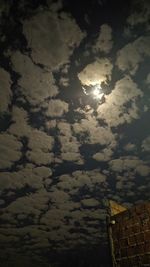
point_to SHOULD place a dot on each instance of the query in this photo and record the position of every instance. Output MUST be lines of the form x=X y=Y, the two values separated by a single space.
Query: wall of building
x=131 y=236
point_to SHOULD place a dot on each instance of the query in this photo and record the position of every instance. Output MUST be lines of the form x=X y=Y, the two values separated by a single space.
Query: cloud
x=143 y=170
x=129 y=147
x=30 y=176
x=96 y=72
x=139 y=15
x=78 y=179
x=104 y=41
x=46 y=206
x=146 y=144
x=148 y=80
x=105 y=155
x=69 y=144
x=90 y=202
x=132 y=54
x=36 y=84
x=50 y=124
x=39 y=157
x=19 y=126
x=10 y=150
x=124 y=183
x=94 y=134
x=6 y=93
x=57 y=35
x=31 y=205
x=114 y=111
x=56 y=108
x=40 y=147
x=129 y=163
x=40 y=140
x=64 y=128
x=56 y=211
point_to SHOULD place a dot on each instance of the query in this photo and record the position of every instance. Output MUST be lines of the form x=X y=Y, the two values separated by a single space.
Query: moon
x=97 y=92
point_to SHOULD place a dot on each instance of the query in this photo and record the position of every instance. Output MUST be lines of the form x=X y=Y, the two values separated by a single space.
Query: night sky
x=74 y=126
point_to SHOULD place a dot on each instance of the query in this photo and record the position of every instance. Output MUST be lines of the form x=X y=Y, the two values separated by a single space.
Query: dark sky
x=74 y=126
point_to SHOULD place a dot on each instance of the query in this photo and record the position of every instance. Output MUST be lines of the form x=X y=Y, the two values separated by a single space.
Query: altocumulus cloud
x=62 y=153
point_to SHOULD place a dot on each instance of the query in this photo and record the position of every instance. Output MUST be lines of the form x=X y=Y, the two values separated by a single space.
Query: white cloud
x=52 y=37
x=19 y=126
x=36 y=84
x=114 y=110
x=129 y=147
x=64 y=128
x=40 y=146
x=53 y=208
x=148 y=80
x=29 y=176
x=146 y=144
x=94 y=134
x=104 y=41
x=129 y=163
x=69 y=144
x=105 y=155
x=58 y=196
x=143 y=170
x=56 y=108
x=39 y=157
x=124 y=183
x=90 y=202
x=80 y=179
x=132 y=54
x=40 y=140
x=32 y=204
x=5 y=88
x=65 y=211
x=50 y=124
x=96 y=72
x=72 y=156
x=10 y=150
x=64 y=81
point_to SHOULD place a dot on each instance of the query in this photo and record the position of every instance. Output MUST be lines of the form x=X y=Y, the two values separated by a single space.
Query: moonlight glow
x=96 y=92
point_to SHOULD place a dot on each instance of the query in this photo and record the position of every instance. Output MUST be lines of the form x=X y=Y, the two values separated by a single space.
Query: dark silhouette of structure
x=129 y=235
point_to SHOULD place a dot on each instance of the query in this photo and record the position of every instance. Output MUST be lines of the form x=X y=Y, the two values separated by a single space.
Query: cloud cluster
x=52 y=50
x=130 y=163
x=132 y=54
x=95 y=134
x=9 y=150
x=140 y=15
x=56 y=108
x=146 y=144
x=40 y=147
x=58 y=168
x=55 y=210
x=31 y=176
x=115 y=110
x=97 y=72
x=104 y=41
x=19 y=126
x=104 y=155
x=36 y=84
x=69 y=144
x=6 y=93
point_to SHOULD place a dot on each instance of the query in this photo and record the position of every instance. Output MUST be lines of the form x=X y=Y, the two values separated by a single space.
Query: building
x=129 y=235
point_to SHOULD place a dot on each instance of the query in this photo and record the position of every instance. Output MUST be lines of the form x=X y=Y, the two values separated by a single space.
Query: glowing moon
x=97 y=92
